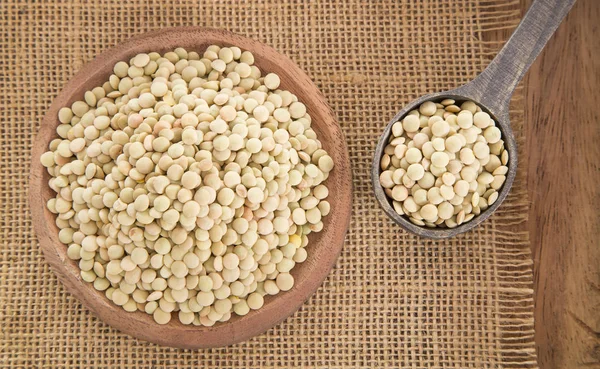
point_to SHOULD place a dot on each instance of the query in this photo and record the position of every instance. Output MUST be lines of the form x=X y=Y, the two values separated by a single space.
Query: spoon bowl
x=386 y=204
x=491 y=91
x=323 y=248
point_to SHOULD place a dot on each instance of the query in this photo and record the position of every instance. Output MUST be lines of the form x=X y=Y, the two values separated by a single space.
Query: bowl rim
x=503 y=123
x=320 y=260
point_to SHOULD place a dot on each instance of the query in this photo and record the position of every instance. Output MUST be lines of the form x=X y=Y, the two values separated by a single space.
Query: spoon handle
x=495 y=85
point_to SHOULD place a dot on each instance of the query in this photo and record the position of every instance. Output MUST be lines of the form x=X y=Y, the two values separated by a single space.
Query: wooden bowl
x=323 y=248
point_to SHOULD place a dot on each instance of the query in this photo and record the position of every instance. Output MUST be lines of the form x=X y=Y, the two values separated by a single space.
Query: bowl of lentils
x=191 y=187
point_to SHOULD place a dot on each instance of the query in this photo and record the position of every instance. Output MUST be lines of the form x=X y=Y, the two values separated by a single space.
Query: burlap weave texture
x=393 y=300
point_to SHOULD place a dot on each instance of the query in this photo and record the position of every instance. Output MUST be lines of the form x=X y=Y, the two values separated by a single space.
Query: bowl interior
x=438 y=233
x=323 y=248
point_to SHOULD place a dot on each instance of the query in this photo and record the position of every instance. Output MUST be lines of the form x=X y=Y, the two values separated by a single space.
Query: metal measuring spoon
x=491 y=90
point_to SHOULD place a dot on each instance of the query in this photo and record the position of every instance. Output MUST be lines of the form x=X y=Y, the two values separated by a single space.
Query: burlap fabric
x=393 y=300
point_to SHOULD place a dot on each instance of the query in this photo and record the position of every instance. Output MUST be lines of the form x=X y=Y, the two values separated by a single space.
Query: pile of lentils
x=188 y=184
x=444 y=164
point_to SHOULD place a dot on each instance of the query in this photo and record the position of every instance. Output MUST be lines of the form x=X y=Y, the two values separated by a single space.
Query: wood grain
x=323 y=248
x=563 y=135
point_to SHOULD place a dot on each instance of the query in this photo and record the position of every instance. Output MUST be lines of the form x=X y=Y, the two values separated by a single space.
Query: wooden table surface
x=563 y=136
